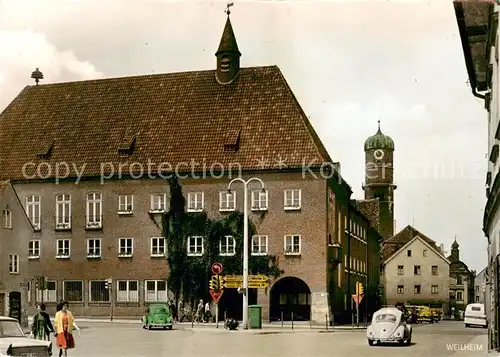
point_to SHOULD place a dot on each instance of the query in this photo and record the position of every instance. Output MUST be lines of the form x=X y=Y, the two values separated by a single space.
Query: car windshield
x=386 y=318
x=159 y=310
x=10 y=329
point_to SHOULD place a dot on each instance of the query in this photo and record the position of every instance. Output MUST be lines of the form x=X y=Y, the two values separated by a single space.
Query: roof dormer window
x=224 y=64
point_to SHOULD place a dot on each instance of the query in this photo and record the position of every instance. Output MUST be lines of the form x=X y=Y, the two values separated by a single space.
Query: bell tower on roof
x=379 y=178
x=228 y=55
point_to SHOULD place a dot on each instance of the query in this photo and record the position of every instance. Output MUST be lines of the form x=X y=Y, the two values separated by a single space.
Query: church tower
x=379 y=178
x=228 y=55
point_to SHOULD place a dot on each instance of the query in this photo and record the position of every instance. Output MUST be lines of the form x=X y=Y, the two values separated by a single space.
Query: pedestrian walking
x=200 y=312
x=64 y=324
x=42 y=326
x=208 y=313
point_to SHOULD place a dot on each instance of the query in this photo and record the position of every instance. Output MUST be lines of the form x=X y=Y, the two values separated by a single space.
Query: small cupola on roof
x=228 y=55
x=379 y=141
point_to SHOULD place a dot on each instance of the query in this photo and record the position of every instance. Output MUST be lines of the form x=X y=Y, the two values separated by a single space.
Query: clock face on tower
x=378 y=154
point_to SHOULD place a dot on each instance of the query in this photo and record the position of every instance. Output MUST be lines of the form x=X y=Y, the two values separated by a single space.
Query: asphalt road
x=123 y=340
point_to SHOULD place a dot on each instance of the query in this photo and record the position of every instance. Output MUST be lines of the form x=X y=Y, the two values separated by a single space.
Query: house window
x=158 y=247
x=195 y=201
x=401 y=289
x=292 y=244
x=292 y=199
x=98 y=291
x=34 y=249
x=49 y=294
x=33 y=210
x=156 y=290
x=227 y=201
x=73 y=291
x=158 y=202
x=63 y=248
x=259 y=200
x=94 y=248
x=7 y=218
x=195 y=246
x=125 y=247
x=452 y=295
x=63 y=211
x=127 y=291
x=417 y=289
x=14 y=263
x=401 y=270
x=460 y=295
x=227 y=245
x=94 y=210
x=434 y=270
x=259 y=245
x=416 y=270
x=424 y=253
x=459 y=280
x=408 y=253
x=125 y=204
x=434 y=289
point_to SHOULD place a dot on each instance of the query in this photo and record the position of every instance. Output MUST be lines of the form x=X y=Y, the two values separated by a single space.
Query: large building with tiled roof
x=90 y=174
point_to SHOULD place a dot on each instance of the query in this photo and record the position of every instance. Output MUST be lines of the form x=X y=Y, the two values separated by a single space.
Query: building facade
x=102 y=217
x=480 y=287
x=414 y=270
x=461 y=283
x=478 y=26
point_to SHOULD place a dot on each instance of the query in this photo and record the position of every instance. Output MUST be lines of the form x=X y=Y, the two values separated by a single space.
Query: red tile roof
x=370 y=209
x=396 y=242
x=173 y=118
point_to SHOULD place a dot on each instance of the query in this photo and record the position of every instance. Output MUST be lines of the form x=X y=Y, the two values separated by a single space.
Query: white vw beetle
x=389 y=325
x=13 y=341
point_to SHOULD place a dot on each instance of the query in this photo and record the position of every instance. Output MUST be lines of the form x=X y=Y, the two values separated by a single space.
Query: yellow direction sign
x=258 y=278
x=257 y=285
x=233 y=281
x=254 y=281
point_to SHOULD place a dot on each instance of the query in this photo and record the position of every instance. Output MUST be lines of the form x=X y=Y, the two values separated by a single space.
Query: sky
x=349 y=63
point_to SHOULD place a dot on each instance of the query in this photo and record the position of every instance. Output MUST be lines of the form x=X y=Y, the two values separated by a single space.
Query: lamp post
x=245 y=240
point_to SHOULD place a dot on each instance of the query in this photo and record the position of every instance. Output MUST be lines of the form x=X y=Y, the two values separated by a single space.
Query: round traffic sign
x=217 y=268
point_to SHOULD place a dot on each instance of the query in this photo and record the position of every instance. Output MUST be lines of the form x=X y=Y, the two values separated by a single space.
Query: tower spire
x=228 y=55
x=379 y=131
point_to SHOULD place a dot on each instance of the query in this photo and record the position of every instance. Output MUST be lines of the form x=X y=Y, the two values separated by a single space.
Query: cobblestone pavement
x=124 y=340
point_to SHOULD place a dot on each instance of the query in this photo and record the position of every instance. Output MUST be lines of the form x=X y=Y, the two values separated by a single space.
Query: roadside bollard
x=326 y=321
x=281 y=319
x=292 y=320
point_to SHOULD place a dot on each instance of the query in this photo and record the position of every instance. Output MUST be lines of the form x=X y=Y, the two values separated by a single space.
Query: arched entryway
x=290 y=299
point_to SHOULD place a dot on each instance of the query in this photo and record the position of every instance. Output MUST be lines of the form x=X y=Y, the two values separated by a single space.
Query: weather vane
x=227 y=11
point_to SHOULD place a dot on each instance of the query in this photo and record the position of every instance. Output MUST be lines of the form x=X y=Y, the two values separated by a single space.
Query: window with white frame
x=292 y=199
x=156 y=290
x=125 y=247
x=63 y=249
x=195 y=246
x=227 y=245
x=49 y=294
x=125 y=204
x=195 y=201
x=63 y=211
x=98 y=291
x=34 y=249
x=127 y=291
x=7 y=218
x=227 y=201
x=259 y=245
x=94 y=210
x=434 y=289
x=158 y=247
x=73 y=291
x=292 y=244
x=14 y=263
x=259 y=200
x=158 y=202
x=33 y=210
x=94 y=248
x=460 y=295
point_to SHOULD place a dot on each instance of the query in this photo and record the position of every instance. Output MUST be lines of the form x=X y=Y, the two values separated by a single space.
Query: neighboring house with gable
x=415 y=271
x=461 y=281
x=480 y=286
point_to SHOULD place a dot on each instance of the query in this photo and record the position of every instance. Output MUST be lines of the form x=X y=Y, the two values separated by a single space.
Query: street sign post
x=216 y=289
x=357 y=299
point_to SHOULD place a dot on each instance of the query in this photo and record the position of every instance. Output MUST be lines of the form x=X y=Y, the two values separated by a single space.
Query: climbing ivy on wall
x=189 y=276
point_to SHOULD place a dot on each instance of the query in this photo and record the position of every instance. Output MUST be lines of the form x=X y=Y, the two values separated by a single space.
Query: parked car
x=13 y=341
x=158 y=316
x=389 y=325
x=475 y=315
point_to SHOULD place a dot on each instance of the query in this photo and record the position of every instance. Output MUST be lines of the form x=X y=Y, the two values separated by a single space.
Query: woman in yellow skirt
x=64 y=325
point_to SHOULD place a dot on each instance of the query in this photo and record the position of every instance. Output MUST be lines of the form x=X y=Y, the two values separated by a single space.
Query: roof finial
x=378 y=121
x=37 y=75
x=227 y=11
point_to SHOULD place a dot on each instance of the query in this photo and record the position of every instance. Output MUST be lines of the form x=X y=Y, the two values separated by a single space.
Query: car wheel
x=467 y=325
x=150 y=327
x=402 y=342
x=164 y=327
x=408 y=341
x=170 y=327
x=370 y=342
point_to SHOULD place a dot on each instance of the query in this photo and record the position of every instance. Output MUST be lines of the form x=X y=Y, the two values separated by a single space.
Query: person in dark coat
x=42 y=326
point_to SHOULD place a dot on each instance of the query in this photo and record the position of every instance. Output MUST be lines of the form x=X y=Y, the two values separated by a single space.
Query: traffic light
x=214 y=283
x=359 y=288
x=45 y=283
x=109 y=282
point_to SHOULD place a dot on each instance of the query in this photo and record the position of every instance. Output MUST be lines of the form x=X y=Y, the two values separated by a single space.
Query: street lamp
x=245 y=241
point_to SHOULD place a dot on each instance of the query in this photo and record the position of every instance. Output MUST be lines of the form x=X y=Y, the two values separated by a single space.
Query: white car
x=389 y=325
x=13 y=341
x=475 y=315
